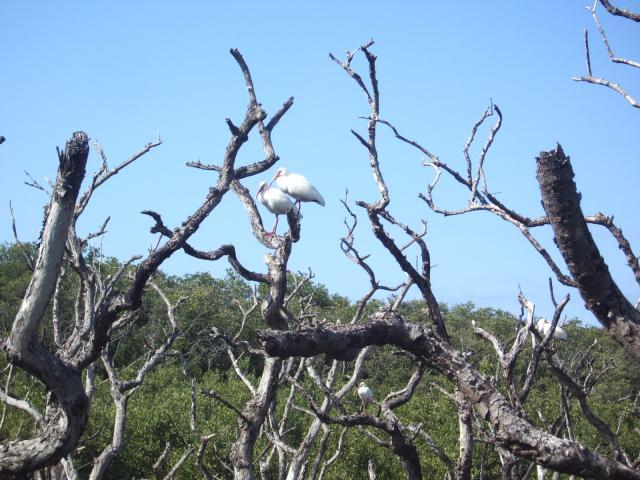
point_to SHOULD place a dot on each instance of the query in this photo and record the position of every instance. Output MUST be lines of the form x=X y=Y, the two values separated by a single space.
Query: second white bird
x=297 y=186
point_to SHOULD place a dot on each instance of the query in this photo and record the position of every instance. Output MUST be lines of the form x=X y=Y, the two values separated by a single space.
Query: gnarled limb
x=101 y=307
x=464 y=462
x=613 y=10
x=301 y=455
x=376 y=211
x=511 y=432
x=399 y=442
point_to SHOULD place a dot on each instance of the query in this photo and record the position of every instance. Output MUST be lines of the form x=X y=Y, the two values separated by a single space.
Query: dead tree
x=122 y=390
x=300 y=456
x=511 y=432
x=400 y=436
x=104 y=304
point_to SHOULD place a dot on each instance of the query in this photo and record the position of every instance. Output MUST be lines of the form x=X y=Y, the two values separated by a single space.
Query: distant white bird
x=275 y=200
x=297 y=187
x=544 y=326
x=365 y=394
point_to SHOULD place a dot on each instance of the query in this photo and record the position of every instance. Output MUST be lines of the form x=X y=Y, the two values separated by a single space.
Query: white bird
x=274 y=200
x=365 y=394
x=544 y=326
x=297 y=187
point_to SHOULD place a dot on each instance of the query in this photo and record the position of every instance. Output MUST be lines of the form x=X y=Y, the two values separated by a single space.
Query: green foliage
x=14 y=278
x=159 y=410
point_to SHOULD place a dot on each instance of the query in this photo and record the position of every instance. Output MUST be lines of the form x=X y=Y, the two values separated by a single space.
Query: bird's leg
x=273 y=232
x=363 y=406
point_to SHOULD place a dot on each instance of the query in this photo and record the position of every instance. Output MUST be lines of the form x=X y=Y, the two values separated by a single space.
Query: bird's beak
x=273 y=179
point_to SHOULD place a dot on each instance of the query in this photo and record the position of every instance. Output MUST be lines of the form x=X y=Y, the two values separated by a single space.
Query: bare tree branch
x=623 y=243
x=104 y=174
x=23 y=250
x=603 y=35
x=612 y=85
x=621 y=13
x=511 y=431
x=589 y=78
x=23 y=405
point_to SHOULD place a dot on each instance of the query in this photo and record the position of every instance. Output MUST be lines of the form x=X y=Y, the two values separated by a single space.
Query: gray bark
x=511 y=432
x=300 y=458
x=255 y=411
x=67 y=420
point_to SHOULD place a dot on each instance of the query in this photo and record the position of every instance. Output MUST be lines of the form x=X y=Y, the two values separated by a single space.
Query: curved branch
x=511 y=431
x=23 y=347
x=613 y=10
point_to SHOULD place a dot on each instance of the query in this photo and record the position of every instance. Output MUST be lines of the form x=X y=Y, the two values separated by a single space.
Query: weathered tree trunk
x=561 y=202
x=65 y=424
x=254 y=414
x=465 y=438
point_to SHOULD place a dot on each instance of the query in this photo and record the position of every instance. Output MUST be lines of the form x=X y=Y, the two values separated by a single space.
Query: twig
x=226 y=403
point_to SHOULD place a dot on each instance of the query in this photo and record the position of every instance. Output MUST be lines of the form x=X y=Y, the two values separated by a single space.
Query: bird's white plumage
x=365 y=393
x=544 y=326
x=274 y=200
x=297 y=186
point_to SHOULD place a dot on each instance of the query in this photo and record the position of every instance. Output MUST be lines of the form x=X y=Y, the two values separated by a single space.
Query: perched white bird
x=365 y=394
x=544 y=326
x=275 y=200
x=297 y=187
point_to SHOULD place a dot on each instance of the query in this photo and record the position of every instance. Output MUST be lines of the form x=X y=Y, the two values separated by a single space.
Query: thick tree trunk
x=561 y=202
x=23 y=348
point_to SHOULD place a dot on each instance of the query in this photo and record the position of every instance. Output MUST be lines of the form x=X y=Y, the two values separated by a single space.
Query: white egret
x=274 y=200
x=365 y=394
x=297 y=187
x=544 y=326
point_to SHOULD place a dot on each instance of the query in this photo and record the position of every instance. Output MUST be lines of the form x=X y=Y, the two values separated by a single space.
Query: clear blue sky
x=124 y=71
